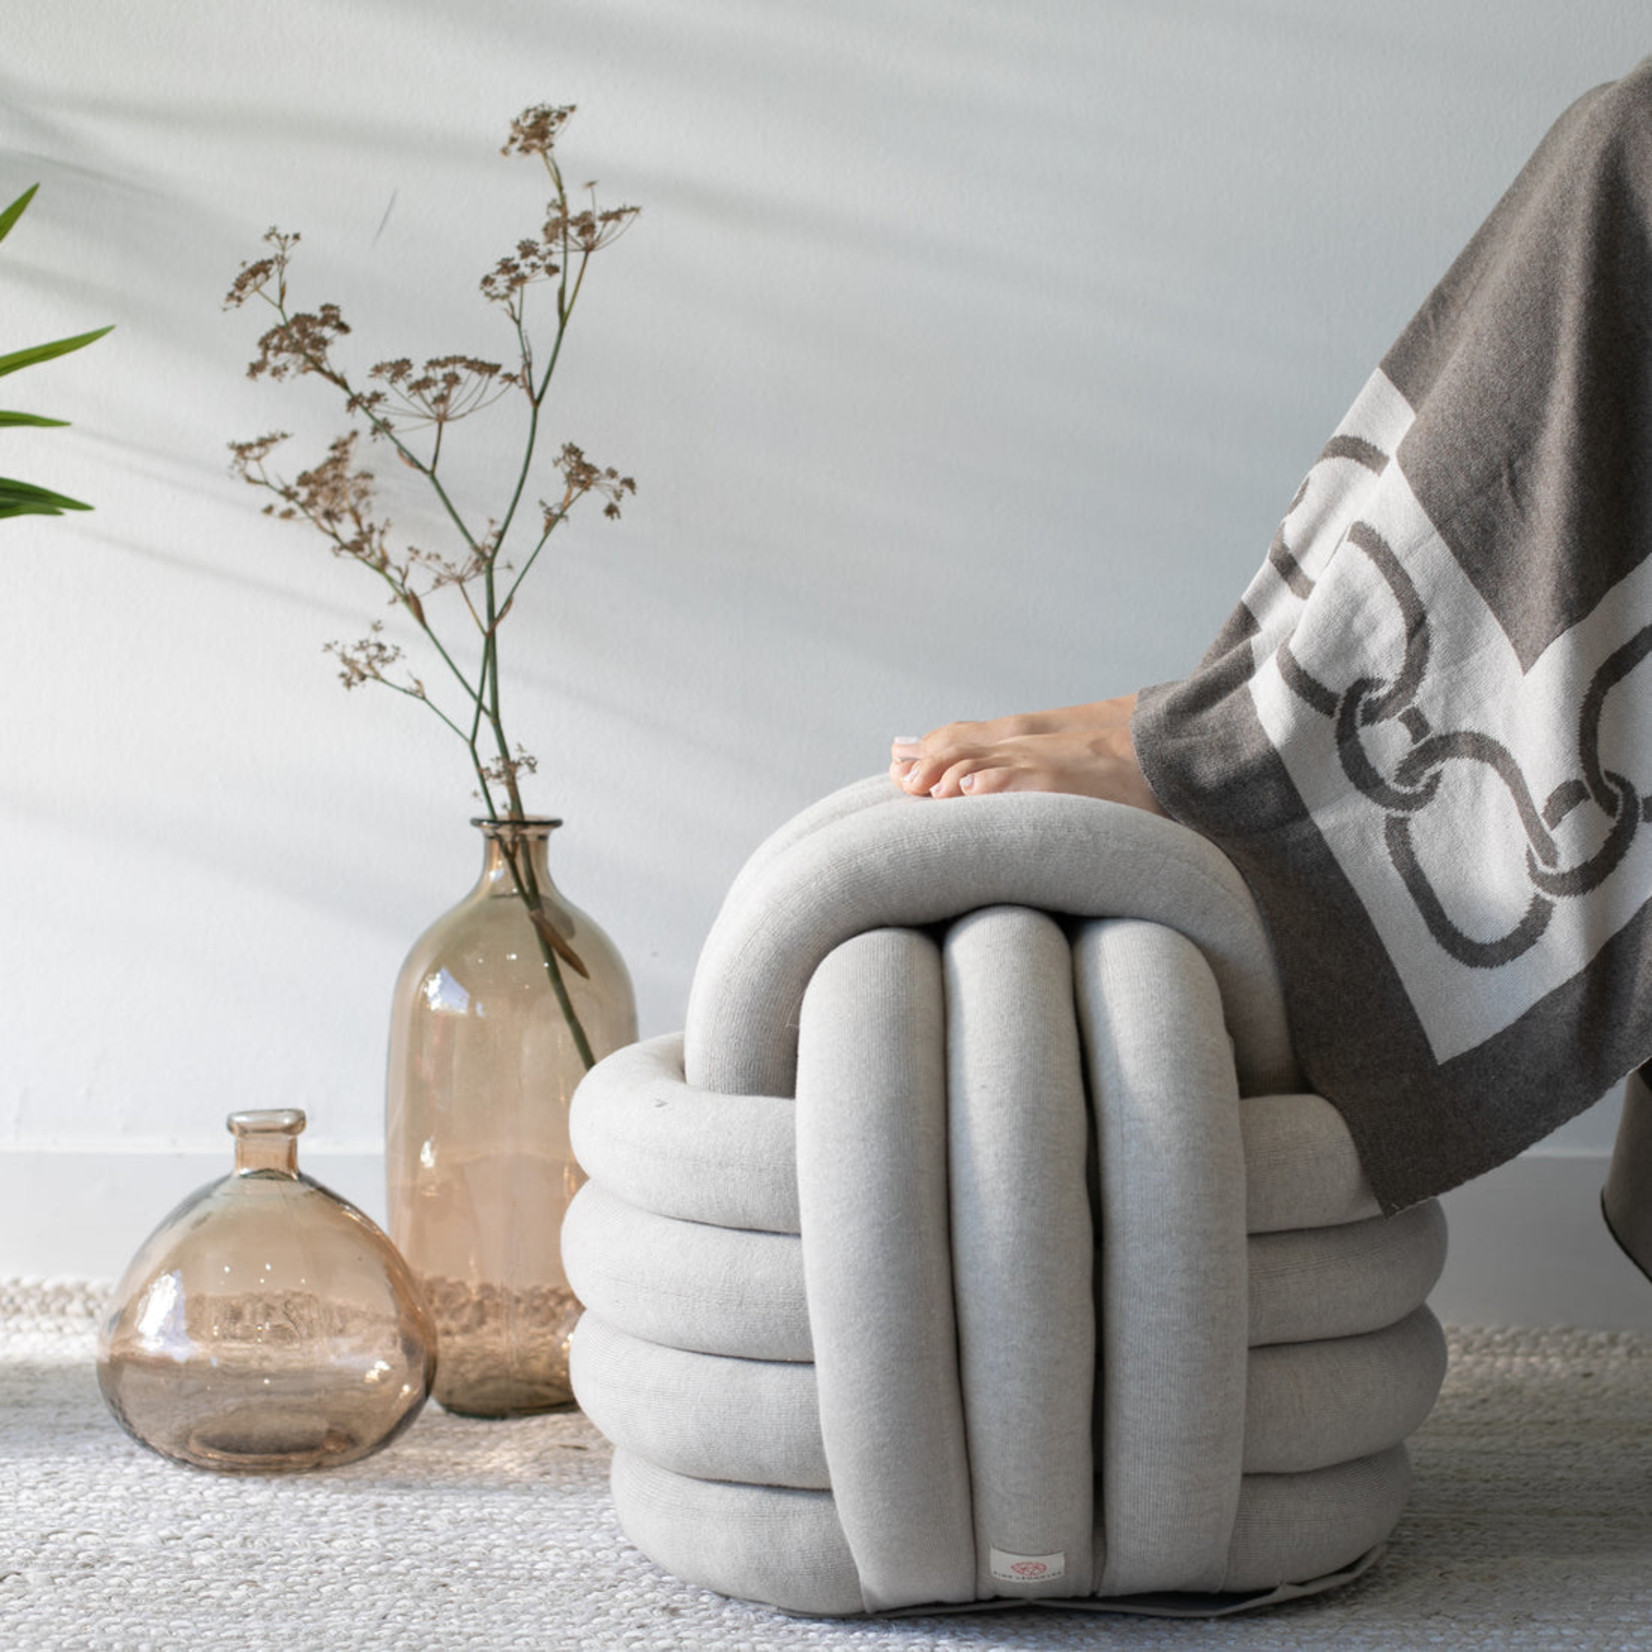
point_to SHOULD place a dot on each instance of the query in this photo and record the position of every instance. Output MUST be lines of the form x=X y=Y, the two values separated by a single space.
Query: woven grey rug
x=1530 y=1526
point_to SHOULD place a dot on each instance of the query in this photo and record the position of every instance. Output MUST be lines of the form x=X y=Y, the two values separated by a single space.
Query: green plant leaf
x=25 y=499
x=15 y=210
x=45 y=352
x=8 y=511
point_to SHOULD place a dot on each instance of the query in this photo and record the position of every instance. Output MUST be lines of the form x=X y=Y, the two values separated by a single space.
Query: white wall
x=965 y=355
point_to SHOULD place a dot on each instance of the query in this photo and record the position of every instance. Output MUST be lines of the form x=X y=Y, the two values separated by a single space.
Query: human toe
x=982 y=782
x=959 y=777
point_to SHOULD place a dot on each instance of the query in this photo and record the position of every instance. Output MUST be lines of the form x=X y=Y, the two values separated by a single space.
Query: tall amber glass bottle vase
x=500 y=1008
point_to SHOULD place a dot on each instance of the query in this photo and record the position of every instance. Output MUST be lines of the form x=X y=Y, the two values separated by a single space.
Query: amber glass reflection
x=483 y=1065
x=266 y=1325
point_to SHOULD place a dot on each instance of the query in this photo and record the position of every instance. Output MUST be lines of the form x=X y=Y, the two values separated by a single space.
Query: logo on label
x=1026 y=1568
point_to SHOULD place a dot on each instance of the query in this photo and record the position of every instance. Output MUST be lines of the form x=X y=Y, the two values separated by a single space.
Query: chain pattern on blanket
x=1059 y=1309
x=1408 y=783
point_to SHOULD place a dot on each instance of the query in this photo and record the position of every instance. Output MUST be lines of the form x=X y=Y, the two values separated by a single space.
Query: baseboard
x=1528 y=1246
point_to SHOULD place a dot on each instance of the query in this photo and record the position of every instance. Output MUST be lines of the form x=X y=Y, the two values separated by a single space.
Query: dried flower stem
x=337 y=499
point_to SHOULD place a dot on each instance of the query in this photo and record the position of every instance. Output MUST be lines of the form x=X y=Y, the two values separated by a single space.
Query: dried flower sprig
x=410 y=408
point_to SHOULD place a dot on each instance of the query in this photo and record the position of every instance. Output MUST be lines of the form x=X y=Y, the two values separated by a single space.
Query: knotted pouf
x=977 y=1244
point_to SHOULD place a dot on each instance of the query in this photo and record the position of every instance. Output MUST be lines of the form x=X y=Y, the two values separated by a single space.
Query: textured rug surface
x=1530 y=1526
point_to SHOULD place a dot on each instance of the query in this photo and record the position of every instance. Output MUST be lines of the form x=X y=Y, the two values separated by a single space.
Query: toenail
x=967 y=781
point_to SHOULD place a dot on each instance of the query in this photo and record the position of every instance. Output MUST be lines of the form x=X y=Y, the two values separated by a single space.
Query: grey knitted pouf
x=976 y=1243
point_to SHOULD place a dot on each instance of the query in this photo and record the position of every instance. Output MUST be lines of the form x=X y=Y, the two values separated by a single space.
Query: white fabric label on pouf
x=1022 y=1569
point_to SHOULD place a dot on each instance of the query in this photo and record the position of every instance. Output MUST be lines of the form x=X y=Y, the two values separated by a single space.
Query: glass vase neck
x=267 y=1141
x=524 y=842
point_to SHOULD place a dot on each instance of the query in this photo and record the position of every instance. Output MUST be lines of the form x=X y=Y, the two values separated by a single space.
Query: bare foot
x=1081 y=749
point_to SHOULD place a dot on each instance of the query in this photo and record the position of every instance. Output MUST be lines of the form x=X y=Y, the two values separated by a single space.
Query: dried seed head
x=444 y=389
x=299 y=344
x=589 y=229
x=366 y=660
x=532 y=261
x=581 y=477
x=535 y=130
x=251 y=455
x=255 y=277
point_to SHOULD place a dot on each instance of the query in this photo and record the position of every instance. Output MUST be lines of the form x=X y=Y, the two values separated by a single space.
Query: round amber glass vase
x=500 y=1008
x=266 y=1325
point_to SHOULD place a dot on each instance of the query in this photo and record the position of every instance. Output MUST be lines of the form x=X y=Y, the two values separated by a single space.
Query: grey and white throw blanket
x=1425 y=736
